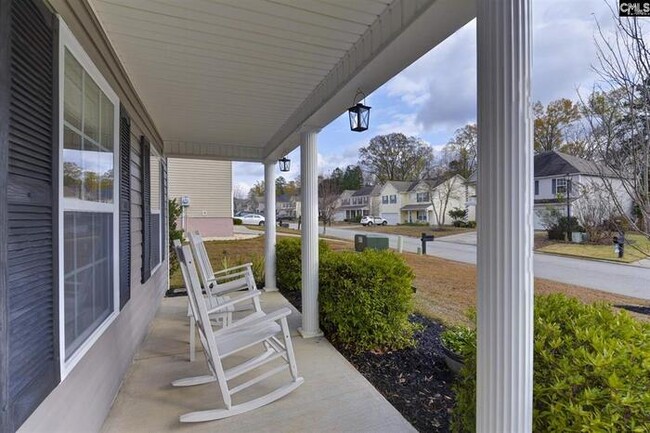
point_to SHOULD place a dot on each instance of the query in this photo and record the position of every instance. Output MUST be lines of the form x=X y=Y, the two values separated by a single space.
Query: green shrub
x=366 y=299
x=591 y=371
x=471 y=224
x=460 y=340
x=288 y=262
x=237 y=221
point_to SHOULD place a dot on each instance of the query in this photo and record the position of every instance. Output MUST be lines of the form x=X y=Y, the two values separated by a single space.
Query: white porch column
x=309 y=185
x=505 y=229
x=269 y=227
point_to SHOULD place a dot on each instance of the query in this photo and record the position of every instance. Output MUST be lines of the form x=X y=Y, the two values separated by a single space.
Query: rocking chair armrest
x=223 y=271
x=251 y=294
x=273 y=316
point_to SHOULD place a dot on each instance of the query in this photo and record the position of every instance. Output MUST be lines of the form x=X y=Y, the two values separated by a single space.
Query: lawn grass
x=637 y=248
x=446 y=290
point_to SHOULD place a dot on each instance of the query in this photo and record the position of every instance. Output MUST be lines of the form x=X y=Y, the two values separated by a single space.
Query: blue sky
x=437 y=94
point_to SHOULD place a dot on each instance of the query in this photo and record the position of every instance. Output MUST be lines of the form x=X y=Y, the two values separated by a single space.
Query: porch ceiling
x=236 y=79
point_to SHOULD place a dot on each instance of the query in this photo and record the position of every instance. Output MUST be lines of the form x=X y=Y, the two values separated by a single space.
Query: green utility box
x=361 y=242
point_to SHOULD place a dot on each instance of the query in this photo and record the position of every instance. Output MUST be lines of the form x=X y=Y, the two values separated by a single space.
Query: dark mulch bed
x=415 y=381
x=636 y=309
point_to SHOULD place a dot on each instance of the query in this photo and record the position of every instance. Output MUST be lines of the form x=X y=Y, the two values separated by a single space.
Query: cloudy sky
x=437 y=94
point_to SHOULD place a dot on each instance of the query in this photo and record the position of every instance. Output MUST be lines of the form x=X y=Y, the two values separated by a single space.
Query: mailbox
x=424 y=239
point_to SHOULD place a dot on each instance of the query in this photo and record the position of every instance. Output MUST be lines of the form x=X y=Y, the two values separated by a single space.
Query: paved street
x=630 y=280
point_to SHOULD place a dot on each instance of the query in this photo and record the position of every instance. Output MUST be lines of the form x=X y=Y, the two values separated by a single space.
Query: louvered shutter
x=125 y=207
x=554 y=187
x=163 y=208
x=145 y=155
x=29 y=359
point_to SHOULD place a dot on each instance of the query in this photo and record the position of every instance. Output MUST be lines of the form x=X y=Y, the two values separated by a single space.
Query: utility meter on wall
x=185 y=201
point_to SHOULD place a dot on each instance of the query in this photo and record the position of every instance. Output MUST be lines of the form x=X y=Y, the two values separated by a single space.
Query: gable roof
x=366 y=190
x=401 y=186
x=554 y=163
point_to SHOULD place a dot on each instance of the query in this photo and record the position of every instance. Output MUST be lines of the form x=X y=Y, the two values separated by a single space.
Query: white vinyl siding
x=207 y=183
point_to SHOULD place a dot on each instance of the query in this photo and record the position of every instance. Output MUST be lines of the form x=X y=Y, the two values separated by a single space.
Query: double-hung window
x=393 y=199
x=422 y=197
x=88 y=211
x=384 y=199
x=155 y=173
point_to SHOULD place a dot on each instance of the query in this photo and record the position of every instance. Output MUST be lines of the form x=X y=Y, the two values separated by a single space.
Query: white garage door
x=392 y=218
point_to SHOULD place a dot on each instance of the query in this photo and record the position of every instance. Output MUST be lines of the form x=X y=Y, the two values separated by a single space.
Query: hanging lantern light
x=359 y=113
x=285 y=164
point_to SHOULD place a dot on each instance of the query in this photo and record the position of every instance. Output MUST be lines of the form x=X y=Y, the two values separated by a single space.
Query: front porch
x=334 y=398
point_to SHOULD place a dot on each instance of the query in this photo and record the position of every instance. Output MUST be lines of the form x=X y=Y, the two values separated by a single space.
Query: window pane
x=91 y=108
x=72 y=91
x=155 y=239
x=154 y=172
x=72 y=168
x=88 y=275
x=107 y=123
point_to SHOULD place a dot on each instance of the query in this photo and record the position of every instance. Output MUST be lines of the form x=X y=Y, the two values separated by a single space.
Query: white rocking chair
x=228 y=341
x=220 y=288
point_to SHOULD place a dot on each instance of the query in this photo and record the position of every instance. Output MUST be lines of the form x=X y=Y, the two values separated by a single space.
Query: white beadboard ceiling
x=226 y=78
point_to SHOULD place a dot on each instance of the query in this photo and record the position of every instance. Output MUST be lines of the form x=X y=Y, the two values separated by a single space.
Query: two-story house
x=357 y=203
x=287 y=206
x=561 y=178
x=429 y=201
x=393 y=195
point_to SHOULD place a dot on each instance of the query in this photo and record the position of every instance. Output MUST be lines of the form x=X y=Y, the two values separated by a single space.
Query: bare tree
x=395 y=157
x=441 y=191
x=617 y=117
x=328 y=197
x=462 y=150
x=593 y=209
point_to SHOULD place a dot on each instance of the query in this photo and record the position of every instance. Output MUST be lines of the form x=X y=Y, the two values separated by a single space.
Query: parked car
x=252 y=219
x=373 y=220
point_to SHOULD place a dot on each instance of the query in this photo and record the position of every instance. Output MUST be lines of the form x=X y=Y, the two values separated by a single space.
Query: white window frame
x=392 y=198
x=159 y=212
x=69 y=42
x=564 y=185
x=424 y=196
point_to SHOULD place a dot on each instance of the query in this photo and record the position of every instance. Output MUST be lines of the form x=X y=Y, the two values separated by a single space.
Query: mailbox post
x=424 y=239
x=619 y=244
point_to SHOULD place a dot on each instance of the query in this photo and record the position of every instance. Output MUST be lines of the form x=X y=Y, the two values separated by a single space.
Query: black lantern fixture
x=285 y=164
x=359 y=113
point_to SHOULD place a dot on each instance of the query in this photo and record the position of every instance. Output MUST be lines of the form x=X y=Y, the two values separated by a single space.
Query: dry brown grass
x=446 y=290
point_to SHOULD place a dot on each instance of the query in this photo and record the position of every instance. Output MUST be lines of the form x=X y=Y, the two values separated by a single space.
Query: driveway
x=623 y=279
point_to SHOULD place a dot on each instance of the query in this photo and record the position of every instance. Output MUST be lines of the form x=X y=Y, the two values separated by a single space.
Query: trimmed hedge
x=591 y=371
x=288 y=262
x=237 y=221
x=366 y=299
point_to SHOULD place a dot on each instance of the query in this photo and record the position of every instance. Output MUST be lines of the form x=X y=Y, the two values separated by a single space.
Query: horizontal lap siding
x=207 y=183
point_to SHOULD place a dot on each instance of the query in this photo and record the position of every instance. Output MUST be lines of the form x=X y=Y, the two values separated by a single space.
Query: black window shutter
x=554 y=187
x=29 y=358
x=125 y=207
x=145 y=155
x=163 y=207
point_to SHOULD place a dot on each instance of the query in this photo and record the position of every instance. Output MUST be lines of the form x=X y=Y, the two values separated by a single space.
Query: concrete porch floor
x=334 y=398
